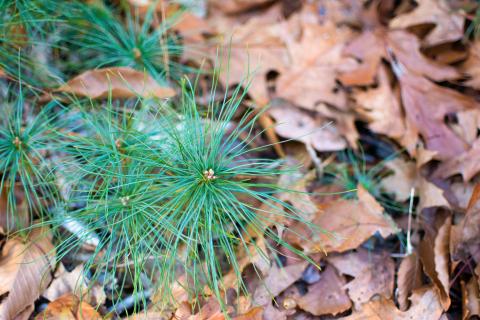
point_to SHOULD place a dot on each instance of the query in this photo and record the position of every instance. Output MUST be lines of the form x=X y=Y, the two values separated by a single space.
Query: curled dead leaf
x=25 y=271
x=121 y=82
x=409 y=278
x=69 y=307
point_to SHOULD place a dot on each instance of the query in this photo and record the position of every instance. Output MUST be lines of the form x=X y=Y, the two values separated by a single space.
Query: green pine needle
x=25 y=140
x=160 y=192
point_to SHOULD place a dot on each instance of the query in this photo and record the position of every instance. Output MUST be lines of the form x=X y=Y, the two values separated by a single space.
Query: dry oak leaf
x=409 y=278
x=448 y=24
x=425 y=306
x=316 y=60
x=121 y=82
x=346 y=224
x=472 y=65
x=69 y=307
x=426 y=106
x=326 y=296
x=252 y=50
x=373 y=274
x=374 y=45
x=25 y=271
x=381 y=107
x=465 y=163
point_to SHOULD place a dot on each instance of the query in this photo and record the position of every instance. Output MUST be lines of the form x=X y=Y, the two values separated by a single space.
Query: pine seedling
x=103 y=38
x=163 y=192
x=25 y=141
x=353 y=170
x=25 y=28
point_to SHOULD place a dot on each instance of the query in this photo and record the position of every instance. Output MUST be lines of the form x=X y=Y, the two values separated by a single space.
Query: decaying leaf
x=327 y=295
x=442 y=259
x=470 y=298
x=278 y=280
x=25 y=271
x=434 y=266
x=373 y=274
x=448 y=25
x=425 y=306
x=465 y=163
x=311 y=79
x=236 y=6
x=409 y=278
x=121 y=82
x=381 y=107
x=69 y=307
x=472 y=65
x=310 y=129
x=426 y=105
x=346 y=224
x=374 y=45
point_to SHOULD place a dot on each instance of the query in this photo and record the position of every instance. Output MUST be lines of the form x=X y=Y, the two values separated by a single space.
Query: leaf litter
x=339 y=75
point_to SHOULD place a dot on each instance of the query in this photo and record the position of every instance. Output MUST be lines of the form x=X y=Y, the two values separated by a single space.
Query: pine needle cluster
x=102 y=36
x=163 y=192
x=26 y=139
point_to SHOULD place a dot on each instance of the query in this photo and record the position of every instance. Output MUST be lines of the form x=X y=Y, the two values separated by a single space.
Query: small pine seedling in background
x=25 y=30
x=25 y=140
x=102 y=38
x=353 y=170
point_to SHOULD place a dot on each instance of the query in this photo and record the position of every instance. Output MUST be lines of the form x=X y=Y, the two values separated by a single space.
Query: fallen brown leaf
x=299 y=125
x=409 y=278
x=426 y=105
x=442 y=259
x=470 y=298
x=121 y=82
x=425 y=306
x=430 y=261
x=69 y=307
x=381 y=107
x=236 y=6
x=472 y=65
x=374 y=274
x=311 y=79
x=346 y=224
x=326 y=296
x=448 y=24
x=374 y=45
x=465 y=163
x=277 y=280
x=25 y=271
